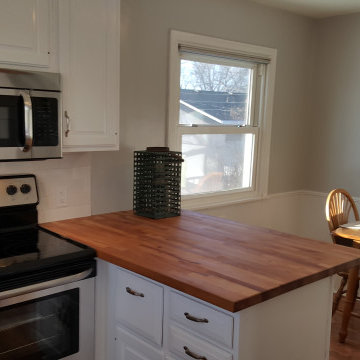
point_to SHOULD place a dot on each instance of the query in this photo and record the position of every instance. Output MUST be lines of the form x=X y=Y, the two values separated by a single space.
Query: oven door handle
x=44 y=285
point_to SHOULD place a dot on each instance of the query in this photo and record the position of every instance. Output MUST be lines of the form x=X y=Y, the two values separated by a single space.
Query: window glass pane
x=216 y=162
x=214 y=94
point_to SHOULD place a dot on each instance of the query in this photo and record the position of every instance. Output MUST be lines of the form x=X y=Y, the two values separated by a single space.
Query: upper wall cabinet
x=27 y=33
x=89 y=49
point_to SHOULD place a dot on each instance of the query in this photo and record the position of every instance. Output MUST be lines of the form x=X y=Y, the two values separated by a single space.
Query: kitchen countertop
x=225 y=263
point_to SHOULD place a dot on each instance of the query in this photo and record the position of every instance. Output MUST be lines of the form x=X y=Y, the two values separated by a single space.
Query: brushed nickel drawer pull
x=195 y=319
x=133 y=292
x=67 y=117
x=193 y=355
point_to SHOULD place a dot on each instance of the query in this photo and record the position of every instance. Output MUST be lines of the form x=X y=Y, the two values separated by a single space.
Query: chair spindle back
x=339 y=204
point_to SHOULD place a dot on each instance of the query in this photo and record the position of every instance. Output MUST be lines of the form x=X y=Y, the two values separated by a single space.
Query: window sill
x=206 y=201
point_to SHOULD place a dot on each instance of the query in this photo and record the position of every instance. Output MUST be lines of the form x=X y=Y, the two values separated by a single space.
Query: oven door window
x=12 y=133
x=46 y=328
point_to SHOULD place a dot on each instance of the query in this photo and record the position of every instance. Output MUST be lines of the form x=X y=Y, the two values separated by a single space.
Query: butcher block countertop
x=225 y=263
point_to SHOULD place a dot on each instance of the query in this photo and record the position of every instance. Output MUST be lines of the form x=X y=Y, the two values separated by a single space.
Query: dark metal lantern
x=157 y=182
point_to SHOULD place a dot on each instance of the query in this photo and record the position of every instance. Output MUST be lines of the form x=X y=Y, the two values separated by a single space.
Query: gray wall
x=334 y=155
x=145 y=27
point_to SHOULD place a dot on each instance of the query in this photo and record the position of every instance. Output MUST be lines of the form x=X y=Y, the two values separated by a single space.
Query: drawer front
x=202 y=319
x=188 y=347
x=129 y=347
x=139 y=305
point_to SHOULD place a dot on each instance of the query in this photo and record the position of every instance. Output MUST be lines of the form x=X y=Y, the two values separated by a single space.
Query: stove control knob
x=25 y=188
x=11 y=190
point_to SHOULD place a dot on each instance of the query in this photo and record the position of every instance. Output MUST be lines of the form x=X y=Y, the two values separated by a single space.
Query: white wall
x=145 y=27
x=335 y=125
x=300 y=213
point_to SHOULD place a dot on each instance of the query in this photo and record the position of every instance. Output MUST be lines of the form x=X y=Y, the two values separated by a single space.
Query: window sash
x=256 y=80
x=212 y=130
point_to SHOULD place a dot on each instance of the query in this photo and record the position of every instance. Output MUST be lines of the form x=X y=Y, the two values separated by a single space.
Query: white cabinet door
x=26 y=28
x=89 y=63
x=129 y=347
x=139 y=306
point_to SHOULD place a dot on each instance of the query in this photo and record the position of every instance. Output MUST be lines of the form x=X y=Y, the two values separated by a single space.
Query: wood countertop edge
x=231 y=306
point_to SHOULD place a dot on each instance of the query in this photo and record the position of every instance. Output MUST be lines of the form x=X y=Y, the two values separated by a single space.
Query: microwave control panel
x=45 y=121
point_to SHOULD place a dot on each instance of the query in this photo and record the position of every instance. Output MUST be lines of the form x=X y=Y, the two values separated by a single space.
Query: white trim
x=262 y=145
x=213 y=202
x=312 y=193
x=286 y=194
x=303 y=192
x=321 y=194
x=206 y=201
x=227 y=129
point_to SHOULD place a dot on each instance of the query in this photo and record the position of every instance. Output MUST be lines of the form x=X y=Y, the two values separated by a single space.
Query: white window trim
x=262 y=149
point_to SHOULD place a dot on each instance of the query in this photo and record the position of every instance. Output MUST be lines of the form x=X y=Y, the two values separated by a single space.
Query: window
x=220 y=98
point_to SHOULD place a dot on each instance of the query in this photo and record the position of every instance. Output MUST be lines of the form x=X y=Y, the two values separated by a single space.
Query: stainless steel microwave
x=30 y=115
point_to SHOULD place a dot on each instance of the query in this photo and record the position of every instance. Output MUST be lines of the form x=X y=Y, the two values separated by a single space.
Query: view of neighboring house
x=204 y=172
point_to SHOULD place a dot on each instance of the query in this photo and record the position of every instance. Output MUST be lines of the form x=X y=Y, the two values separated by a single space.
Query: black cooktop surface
x=35 y=248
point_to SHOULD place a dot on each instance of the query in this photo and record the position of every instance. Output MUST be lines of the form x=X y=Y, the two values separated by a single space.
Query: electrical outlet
x=62 y=197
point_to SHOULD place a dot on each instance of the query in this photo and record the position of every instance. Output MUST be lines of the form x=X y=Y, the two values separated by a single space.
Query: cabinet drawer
x=202 y=319
x=139 y=305
x=188 y=347
x=130 y=347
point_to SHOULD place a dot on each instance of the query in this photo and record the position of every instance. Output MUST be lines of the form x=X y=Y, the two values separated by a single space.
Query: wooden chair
x=339 y=206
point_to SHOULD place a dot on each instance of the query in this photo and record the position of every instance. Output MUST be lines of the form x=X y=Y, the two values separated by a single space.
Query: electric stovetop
x=28 y=253
x=36 y=248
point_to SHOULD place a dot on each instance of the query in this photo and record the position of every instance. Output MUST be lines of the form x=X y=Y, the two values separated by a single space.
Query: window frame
x=262 y=117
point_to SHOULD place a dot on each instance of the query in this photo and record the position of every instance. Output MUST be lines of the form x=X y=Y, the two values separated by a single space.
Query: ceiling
x=315 y=8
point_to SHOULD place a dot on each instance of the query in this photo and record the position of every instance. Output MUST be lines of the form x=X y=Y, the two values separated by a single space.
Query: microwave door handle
x=28 y=121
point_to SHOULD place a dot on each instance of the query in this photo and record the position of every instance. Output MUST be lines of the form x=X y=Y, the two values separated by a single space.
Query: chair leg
x=351 y=292
x=338 y=294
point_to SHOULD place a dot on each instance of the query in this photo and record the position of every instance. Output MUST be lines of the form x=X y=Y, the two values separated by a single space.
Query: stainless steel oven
x=46 y=283
x=30 y=115
x=52 y=323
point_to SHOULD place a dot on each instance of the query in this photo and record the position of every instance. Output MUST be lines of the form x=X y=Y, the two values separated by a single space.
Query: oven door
x=49 y=324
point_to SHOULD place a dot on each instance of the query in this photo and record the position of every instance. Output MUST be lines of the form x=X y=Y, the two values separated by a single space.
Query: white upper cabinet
x=27 y=33
x=89 y=50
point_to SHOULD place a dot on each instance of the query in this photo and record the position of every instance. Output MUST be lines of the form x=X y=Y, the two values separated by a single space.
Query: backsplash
x=63 y=185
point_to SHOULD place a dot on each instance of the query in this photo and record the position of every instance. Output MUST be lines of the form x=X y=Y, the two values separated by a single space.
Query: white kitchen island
x=199 y=287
